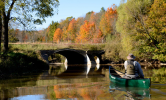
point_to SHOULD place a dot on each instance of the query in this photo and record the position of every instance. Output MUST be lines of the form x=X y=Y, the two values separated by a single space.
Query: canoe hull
x=143 y=83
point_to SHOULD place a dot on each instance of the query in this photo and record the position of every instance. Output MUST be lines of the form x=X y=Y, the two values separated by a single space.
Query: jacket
x=139 y=72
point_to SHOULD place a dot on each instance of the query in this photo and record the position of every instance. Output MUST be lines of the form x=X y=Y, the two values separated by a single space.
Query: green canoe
x=115 y=77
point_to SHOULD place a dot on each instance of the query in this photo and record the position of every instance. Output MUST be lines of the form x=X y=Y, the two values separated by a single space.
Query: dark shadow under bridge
x=75 y=56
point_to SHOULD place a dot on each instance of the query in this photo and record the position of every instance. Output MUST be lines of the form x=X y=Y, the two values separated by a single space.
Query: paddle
x=120 y=73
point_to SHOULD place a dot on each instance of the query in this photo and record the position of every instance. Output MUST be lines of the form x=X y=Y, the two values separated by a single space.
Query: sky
x=77 y=8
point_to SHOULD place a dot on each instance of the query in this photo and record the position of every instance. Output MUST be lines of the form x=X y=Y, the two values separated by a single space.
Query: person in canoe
x=132 y=68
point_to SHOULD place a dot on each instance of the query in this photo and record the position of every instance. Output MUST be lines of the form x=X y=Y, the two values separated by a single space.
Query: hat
x=131 y=56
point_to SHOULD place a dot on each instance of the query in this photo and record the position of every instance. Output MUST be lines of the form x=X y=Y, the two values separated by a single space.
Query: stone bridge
x=75 y=56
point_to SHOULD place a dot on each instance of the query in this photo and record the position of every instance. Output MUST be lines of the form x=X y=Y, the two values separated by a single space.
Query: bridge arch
x=75 y=56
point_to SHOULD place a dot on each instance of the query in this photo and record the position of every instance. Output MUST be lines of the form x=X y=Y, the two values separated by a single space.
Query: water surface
x=80 y=82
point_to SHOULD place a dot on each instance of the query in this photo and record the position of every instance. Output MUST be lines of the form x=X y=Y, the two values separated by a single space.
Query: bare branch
x=10 y=8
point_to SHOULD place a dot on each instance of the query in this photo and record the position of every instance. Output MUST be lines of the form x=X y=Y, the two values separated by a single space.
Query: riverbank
x=14 y=65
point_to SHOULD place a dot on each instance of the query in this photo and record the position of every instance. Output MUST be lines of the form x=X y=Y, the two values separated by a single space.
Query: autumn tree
x=80 y=22
x=108 y=21
x=86 y=32
x=92 y=18
x=63 y=24
x=65 y=35
x=98 y=37
x=71 y=30
x=57 y=35
x=23 y=11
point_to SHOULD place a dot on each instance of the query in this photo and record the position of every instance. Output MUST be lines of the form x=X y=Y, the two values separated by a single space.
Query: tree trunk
x=0 y=30
x=6 y=17
x=5 y=32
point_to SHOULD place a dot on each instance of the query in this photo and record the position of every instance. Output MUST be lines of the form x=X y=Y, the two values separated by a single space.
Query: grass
x=53 y=46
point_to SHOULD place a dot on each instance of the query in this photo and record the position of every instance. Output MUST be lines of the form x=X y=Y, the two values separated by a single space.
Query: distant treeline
x=135 y=26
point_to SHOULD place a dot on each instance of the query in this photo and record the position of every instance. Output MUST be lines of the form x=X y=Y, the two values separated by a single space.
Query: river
x=81 y=82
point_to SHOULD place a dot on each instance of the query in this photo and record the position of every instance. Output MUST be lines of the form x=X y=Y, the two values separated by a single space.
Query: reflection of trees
x=87 y=91
x=56 y=70
x=159 y=75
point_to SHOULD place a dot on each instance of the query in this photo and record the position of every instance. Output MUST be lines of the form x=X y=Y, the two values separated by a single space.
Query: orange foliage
x=79 y=91
x=57 y=35
x=71 y=31
x=83 y=92
x=71 y=25
x=57 y=92
x=64 y=34
x=108 y=20
x=86 y=32
x=92 y=18
x=98 y=38
x=110 y=13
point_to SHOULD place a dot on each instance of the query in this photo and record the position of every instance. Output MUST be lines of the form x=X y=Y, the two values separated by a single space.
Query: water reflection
x=79 y=91
x=57 y=69
x=130 y=93
x=80 y=82
x=74 y=73
x=66 y=71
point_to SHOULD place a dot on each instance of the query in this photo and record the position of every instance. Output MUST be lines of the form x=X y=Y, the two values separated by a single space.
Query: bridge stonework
x=74 y=56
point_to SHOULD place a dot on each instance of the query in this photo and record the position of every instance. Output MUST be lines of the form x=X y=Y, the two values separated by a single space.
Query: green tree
x=102 y=9
x=129 y=14
x=53 y=26
x=23 y=11
x=156 y=25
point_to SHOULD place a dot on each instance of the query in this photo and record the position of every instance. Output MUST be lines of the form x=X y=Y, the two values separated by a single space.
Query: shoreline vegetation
x=25 y=59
